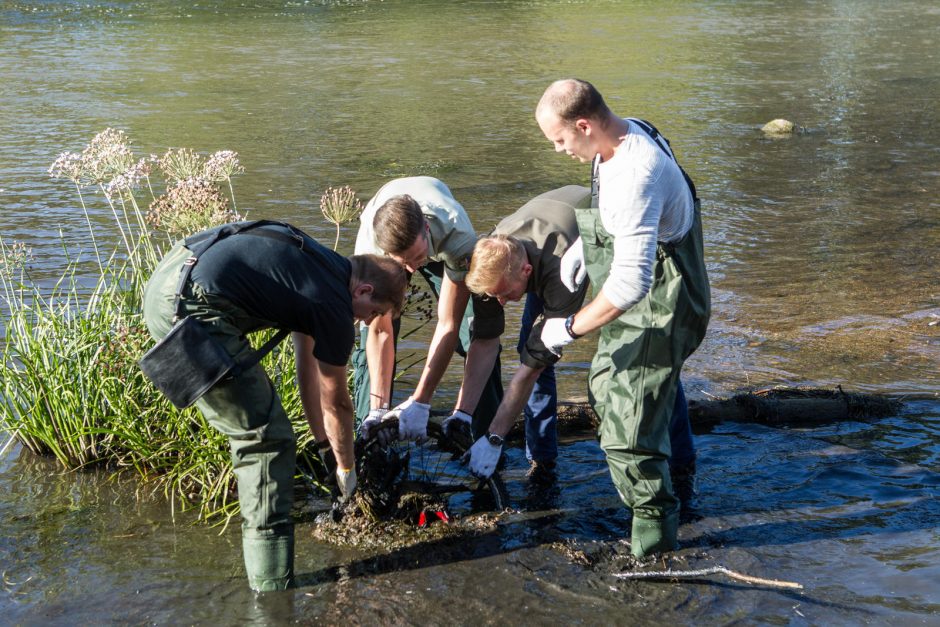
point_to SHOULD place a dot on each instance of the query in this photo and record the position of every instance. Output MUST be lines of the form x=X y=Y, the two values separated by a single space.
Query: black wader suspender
x=655 y=135
x=198 y=247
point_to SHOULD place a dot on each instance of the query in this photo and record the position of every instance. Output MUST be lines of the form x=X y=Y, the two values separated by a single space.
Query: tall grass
x=69 y=380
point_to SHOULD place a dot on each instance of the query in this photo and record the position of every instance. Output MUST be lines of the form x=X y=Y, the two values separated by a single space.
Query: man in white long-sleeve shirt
x=642 y=247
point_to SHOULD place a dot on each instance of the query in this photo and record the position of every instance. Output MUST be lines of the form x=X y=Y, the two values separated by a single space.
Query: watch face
x=494 y=439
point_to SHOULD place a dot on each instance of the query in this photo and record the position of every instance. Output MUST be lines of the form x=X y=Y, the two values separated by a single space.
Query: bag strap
x=258 y=355
x=595 y=184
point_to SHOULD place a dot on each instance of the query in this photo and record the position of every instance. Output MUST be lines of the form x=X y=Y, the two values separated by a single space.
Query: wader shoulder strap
x=663 y=143
x=199 y=244
x=294 y=238
x=595 y=186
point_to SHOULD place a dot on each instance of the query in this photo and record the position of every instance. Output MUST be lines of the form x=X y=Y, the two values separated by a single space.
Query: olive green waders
x=634 y=374
x=247 y=410
x=492 y=393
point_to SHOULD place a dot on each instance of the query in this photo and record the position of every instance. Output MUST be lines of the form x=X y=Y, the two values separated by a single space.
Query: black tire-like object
x=490 y=494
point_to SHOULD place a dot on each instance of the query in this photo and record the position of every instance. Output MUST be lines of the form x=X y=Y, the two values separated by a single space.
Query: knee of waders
x=269 y=558
x=651 y=536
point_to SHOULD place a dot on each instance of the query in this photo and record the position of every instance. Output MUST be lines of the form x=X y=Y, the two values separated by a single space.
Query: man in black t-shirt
x=275 y=276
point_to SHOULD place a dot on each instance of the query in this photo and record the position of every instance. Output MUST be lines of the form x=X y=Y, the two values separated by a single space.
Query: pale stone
x=779 y=127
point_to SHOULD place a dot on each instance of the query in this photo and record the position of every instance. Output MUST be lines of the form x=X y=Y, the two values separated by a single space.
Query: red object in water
x=439 y=514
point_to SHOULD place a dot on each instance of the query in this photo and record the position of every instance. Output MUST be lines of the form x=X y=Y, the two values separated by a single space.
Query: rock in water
x=779 y=127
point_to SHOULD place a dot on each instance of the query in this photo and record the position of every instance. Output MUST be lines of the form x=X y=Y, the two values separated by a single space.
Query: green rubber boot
x=269 y=558
x=654 y=536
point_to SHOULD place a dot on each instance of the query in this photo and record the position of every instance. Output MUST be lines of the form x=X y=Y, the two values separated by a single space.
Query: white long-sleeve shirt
x=643 y=199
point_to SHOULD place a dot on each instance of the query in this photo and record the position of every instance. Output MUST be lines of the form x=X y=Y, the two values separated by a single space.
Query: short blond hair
x=494 y=258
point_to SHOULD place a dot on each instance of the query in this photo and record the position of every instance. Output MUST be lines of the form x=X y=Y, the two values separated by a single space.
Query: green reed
x=70 y=384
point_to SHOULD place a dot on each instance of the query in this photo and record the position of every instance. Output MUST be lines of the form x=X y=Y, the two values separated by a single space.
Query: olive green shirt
x=546 y=227
x=452 y=237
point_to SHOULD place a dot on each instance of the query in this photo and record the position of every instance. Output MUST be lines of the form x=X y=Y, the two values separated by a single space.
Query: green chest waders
x=247 y=410
x=634 y=374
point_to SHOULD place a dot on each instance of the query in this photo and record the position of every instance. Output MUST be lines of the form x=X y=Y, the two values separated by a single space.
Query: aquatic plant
x=339 y=205
x=70 y=384
x=188 y=205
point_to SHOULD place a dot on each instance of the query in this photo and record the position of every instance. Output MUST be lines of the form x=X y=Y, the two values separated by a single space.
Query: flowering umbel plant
x=190 y=206
x=339 y=205
x=192 y=201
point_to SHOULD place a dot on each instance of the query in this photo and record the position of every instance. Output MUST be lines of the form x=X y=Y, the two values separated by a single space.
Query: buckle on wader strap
x=180 y=285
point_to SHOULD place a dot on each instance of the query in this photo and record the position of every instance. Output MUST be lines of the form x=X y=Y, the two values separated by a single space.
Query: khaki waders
x=634 y=374
x=248 y=411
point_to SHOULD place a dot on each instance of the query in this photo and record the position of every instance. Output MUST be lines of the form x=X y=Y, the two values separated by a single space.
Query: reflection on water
x=822 y=248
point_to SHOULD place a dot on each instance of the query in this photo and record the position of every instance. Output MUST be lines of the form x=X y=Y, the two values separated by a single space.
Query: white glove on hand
x=412 y=419
x=346 y=482
x=455 y=422
x=369 y=425
x=483 y=458
x=555 y=336
x=573 y=269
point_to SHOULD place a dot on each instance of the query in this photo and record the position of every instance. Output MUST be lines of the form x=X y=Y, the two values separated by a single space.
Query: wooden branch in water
x=695 y=574
x=773 y=406
x=792 y=406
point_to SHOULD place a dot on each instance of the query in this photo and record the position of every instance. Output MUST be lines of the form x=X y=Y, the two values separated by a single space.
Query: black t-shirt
x=299 y=289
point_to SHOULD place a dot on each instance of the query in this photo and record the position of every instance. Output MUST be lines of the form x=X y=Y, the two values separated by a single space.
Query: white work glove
x=346 y=482
x=412 y=419
x=483 y=458
x=370 y=425
x=573 y=269
x=455 y=422
x=555 y=336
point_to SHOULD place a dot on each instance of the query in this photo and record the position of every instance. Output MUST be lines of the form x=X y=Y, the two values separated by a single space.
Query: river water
x=822 y=249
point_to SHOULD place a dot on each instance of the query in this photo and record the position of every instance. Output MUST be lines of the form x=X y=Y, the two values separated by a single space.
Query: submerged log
x=773 y=406
x=793 y=406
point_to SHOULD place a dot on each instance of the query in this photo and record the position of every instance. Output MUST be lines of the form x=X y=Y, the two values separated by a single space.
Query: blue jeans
x=680 y=432
x=541 y=410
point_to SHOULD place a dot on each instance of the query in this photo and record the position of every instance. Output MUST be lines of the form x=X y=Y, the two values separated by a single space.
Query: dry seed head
x=340 y=205
x=191 y=205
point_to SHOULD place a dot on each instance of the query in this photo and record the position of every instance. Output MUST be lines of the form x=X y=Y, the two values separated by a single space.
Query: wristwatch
x=495 y=440
x=569 y=322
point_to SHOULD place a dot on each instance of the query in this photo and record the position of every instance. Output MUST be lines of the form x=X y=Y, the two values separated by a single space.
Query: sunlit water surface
x=822 y=249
